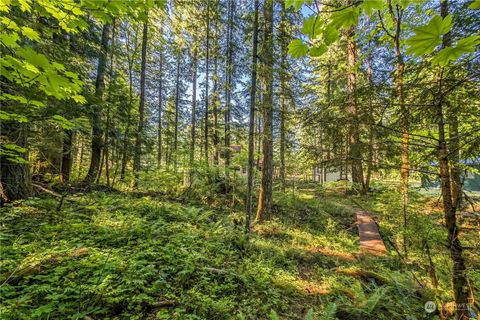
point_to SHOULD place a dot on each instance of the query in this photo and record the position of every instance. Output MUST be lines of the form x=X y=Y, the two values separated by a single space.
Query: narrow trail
x=370 y=240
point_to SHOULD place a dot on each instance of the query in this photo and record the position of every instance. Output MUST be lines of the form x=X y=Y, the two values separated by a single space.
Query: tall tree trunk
x=215 y=101
x=371 y=125
x=96 y=119
x=283 y=108
x=354 y=135
x=228 y=83
x=404 y=113
x=99 y=173
x=259 y=133
x=14 y=176
x=177 y=101
x=66 y=165
x=141 y=107
x=251 y=124
x=106 y=149
x=126 y=134
x=264 y=209
x=194 y=111
x=454 y=137
x=207 y=66
x=202 y=137
x=80 y=157
x=160 y=102
x=454 y=151
x=459 y=277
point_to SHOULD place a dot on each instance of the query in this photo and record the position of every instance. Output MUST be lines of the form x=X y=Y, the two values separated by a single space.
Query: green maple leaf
x=311 y=27
x=346 y=17
x=317 y=51
x=296 y=3
x=475 y=5
x=372 y=5
x=297 y=48
x=428 y=37
x=448 y=54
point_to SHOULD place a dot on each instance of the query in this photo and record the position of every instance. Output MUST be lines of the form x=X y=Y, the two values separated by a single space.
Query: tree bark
x=454 y=137
x=141 y=107
x=215 y=101
x=459 y=277
x=264 y=209
x=371 y=125
x=160 y=111
x=96 y=119
x=106 y=149
x=126 y=134
x=454 y=150
x=354 y=135
x=404 y=114
x=251 y=123
x=228 y=83
x=283 y=108
x=207 y=49
x=66 y=165
x=15 y=176
x=177 y=101
x=194 y=110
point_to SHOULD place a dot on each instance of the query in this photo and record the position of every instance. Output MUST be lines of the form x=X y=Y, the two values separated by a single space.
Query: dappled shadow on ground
x=134 y=256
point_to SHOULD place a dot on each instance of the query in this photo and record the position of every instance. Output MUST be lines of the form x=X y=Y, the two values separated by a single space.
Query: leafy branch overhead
x=321 y=33
x=322 y=29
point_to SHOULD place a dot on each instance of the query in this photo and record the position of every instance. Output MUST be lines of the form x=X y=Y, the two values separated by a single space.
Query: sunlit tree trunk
x=96 y=119
x=264 y=209
x=251 y=122
x=352 y=110
x=259 y=132
x=141 y=107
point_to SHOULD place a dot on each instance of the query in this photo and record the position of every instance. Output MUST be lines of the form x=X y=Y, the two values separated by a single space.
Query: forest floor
x=163 y=253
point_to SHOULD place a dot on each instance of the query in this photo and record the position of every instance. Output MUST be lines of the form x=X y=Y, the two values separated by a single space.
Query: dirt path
x=370 y=239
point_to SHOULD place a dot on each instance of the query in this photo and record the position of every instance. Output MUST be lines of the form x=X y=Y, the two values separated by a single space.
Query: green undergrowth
x=140 y=255
x=425 y=235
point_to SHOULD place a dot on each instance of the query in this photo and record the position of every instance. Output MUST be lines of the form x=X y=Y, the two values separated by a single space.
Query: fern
x=372 y=301
x=329 y=312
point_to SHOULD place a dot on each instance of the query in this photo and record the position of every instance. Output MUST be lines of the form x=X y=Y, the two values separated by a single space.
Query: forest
x=240 y=159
